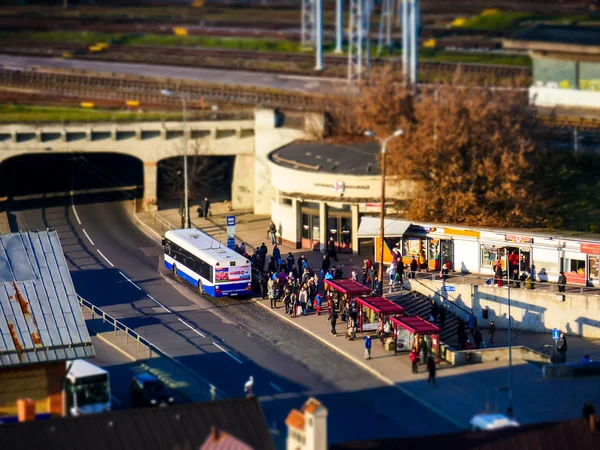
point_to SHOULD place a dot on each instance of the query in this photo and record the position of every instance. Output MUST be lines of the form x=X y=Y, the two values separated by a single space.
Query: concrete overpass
x=249 y=140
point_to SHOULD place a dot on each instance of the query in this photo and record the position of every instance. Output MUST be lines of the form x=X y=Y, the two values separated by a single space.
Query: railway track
x=147 y=90
x=260 y=61
x=63 y=87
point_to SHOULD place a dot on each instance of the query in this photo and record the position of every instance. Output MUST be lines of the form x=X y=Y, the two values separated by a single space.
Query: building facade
x=322 y=190
x=477 y=250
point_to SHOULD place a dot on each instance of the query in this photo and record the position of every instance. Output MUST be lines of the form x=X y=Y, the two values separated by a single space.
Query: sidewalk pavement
x=462 y=391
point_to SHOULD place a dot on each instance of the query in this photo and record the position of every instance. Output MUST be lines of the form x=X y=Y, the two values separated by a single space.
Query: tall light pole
x=186 y=200
x=383 y=143
x=510 y=377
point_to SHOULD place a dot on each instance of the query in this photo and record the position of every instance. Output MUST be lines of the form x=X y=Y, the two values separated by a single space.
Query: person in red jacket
x=414 y=359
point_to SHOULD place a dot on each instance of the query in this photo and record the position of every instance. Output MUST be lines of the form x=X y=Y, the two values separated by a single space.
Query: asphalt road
x=118 y=268
x=229 y=77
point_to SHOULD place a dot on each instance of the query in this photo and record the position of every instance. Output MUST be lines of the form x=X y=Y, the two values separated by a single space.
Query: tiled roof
x=570 y=434
x=311 y=405
x=220 y=440
x=185 y=426
x=40 y=316
x=295 y=419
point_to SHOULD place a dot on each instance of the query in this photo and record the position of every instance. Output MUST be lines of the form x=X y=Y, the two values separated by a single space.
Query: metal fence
x=545 y=286
x=188 y=382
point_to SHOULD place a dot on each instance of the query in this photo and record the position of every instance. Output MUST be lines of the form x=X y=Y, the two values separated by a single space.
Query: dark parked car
x=148 y=390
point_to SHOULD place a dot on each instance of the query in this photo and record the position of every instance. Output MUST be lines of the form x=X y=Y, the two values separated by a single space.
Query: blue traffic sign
x=450 y=288
x=230 y=221
x=555 y=334
x=231 y=243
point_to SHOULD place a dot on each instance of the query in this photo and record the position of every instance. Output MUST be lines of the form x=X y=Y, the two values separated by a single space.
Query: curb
x=369 y=369
x=356 y=361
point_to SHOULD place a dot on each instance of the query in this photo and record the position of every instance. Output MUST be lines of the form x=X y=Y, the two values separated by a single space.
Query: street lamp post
x=186 y=200
x=510 y=377
x=383 y=143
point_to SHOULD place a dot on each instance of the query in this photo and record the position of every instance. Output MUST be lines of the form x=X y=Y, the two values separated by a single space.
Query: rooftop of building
x=179 y=426
x=326 y=157
x=40 y=316
x=576 y=39
x=572 y=434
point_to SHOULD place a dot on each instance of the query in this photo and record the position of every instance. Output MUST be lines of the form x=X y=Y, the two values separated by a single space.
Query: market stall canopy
x=347 y=286
x=380 y=305
x=369 y=227
x=416 y=325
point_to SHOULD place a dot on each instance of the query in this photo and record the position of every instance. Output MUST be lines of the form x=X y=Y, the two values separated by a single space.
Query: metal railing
x=187 y=381
x=479 y=279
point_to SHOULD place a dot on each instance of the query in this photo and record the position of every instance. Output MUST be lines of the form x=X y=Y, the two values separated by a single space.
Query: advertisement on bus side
x=231 y=274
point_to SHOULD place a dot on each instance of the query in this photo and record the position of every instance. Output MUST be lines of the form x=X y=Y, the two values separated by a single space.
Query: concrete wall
x=550 y=97
x=147 y=141
x=531 y=310
x=459 y=358
x=287 y=222
x=267 y=137
x=321 y=183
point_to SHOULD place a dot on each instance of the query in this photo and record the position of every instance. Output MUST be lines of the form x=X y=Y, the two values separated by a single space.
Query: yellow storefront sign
x=87 y=105
x=132 y=103
x=457 y=232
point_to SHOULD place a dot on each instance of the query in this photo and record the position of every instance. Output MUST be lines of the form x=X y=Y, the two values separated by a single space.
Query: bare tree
x=476 y=154
x=206 y=173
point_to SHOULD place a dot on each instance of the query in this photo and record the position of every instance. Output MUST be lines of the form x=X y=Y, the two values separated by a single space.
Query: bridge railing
x=183 y=378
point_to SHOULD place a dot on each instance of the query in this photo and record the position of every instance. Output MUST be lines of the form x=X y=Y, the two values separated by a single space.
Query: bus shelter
x=409 y=330
x=339 y=291
x=375 y=314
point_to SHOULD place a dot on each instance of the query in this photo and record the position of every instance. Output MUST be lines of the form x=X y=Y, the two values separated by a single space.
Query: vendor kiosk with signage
x=343 y=289
x=375 y=313
x=408 y=331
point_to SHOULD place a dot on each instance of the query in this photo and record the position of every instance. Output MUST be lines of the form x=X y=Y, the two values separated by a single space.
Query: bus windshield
x=92 y=390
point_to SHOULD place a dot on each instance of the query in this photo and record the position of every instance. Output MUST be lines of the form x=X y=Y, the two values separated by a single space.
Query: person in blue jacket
x=367 y=347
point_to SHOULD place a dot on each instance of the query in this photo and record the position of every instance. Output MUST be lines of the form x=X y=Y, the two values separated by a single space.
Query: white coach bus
x=206 y=264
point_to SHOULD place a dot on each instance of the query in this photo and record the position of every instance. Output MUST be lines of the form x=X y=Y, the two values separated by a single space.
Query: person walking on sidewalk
x=414 y=359
x=367 y=347
x=423 y=347
x=477 y=338
x=414 y=265
x=492 y=331
x=206 y=207
x=265 y=279
x=272 y=230
x=318 y=304
x=332 y=320
x=331 y=249
x=431 y=370
x=562 y=282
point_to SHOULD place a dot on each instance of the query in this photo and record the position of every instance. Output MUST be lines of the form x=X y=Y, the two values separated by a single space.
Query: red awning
x=347 y=286
x=415 y=324
x=380 y=305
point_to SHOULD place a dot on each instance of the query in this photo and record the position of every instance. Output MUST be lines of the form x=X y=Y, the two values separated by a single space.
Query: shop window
x=489 y=256
x=594 y=273
x=411 y=247
x=574 y=265
x=285 y=201
x=433 y=250
x=306 y=226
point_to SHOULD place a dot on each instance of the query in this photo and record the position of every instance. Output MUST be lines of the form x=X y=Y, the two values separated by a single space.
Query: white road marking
x=105 y=258
x=277 y=388
x=74 y=210
x=88 y=236
x=191 y=328
x=116 y=400
x=125 y=276
x=159 y=303
x=222 y=349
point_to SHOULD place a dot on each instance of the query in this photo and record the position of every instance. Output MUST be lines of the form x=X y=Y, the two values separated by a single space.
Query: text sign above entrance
x=518 y=239
x=590 y=249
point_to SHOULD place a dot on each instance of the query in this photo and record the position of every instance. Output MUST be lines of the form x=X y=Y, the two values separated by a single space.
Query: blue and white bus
x=206 y=264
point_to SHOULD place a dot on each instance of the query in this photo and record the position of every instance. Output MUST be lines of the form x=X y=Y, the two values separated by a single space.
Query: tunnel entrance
x=209 y=176
x=37 y=176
